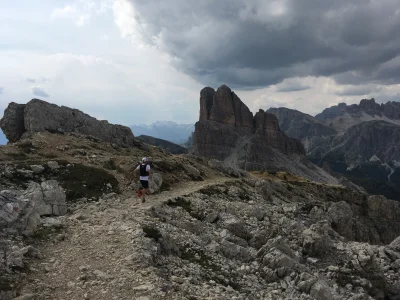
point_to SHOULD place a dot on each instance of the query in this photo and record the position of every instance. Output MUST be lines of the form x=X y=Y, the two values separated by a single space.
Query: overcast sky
x=135 y=61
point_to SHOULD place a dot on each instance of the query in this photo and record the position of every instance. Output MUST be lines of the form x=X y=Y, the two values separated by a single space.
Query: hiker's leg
x=144 y=192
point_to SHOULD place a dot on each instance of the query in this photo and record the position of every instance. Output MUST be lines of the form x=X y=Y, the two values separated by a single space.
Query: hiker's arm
x=150 y=174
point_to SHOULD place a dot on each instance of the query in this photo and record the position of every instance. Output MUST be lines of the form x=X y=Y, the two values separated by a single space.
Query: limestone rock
x=155 y=183
x=192 y=171
x=227 y=131
x=53 y=165
x=37 y=169
x=316 y=240
x=23 y=212
x=320 y=290
x=341 y=217
x=225 y=168
x=12 y=122
x=395 y=244
x=41 y=116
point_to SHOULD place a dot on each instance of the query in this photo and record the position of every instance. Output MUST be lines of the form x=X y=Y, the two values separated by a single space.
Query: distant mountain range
x=164 y=144
x=3 y=140
x=167 y=130
x=360 y=142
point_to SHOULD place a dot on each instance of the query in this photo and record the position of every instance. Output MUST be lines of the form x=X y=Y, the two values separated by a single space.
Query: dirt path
x=98 y=254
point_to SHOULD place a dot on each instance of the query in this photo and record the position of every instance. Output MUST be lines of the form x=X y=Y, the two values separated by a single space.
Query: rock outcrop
x=227 y=131
x=41 y=116
x=21 y=212
x=166 y=145
x=225 y=119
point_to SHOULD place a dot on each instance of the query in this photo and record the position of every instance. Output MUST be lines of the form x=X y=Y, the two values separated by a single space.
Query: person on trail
x=145 y=174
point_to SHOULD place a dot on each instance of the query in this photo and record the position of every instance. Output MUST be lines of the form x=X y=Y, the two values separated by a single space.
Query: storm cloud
x=292 y=85
x=257 y=43
x=357 y=90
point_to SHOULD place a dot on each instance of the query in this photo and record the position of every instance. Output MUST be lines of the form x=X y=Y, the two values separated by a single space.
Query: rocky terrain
x=256 y=238
x=360 y=142
x=228 y=131
x=166 y=130
x=72 y=227
x=45 y=175
x=163 y=144
x=20 y=120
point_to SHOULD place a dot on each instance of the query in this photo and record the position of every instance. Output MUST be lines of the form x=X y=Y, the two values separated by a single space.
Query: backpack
x=143 y=171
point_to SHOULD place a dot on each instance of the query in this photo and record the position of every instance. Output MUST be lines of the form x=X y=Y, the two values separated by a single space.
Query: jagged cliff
x=228 y=131
x=343 y=116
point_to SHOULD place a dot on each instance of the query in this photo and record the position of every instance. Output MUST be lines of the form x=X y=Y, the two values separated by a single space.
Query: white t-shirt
x=144 y=177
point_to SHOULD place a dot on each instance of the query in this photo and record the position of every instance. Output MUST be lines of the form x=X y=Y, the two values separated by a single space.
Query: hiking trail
x=94 y=255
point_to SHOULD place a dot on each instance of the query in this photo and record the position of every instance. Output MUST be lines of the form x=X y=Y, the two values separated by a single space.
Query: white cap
x=144 y=159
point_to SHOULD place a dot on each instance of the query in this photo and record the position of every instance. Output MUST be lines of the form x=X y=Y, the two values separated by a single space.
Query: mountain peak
x=343 y=116
x=367 y=104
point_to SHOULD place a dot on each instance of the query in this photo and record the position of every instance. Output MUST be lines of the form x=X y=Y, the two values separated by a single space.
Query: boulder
x=53 y=165
x=341 y=217
x=235 y=226
x=321 y=290
x=225 y=168
x=395 y=244
x=155 y=183
x=12 y=122
x=37 y=169
x=192 y=171
x=317 y=240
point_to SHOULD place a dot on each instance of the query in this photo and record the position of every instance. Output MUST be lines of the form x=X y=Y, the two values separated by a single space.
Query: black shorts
x=144 y=183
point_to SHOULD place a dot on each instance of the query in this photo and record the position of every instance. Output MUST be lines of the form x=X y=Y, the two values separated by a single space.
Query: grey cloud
x=37 y=91
x=255 y=43
x=31 y=80
x=1 y=90
x=386 y=97
x=358 y=90
x=288 y=86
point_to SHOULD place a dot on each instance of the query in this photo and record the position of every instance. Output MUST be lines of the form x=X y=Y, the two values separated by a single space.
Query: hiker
x=145 y=175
